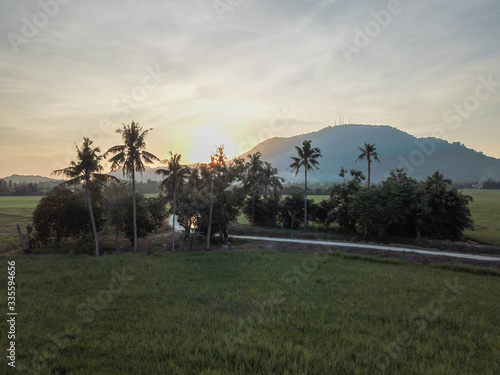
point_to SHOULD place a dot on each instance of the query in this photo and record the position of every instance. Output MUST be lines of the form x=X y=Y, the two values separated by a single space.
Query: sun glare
x=205 y=139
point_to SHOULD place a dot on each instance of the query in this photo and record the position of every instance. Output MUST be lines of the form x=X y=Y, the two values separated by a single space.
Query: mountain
x=21 y=179
x=420 y=157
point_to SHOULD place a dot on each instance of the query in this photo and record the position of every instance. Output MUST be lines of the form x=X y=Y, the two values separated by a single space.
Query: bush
x=62 y=213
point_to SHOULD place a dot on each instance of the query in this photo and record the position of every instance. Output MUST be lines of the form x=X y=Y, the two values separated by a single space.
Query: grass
x=485 y=211
x=250 y=312
x=14 y=210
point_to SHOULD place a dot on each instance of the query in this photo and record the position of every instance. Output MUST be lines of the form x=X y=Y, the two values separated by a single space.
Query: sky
x=203 y=73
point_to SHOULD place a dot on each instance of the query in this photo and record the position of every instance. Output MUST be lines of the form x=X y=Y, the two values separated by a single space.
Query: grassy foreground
x=250 y=312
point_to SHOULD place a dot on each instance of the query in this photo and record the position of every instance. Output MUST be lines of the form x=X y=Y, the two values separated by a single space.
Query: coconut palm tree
x=307 y=159
x=270 y=179
x=131 y=157
x=86 y=171
x=174 y=177
x=368 y=152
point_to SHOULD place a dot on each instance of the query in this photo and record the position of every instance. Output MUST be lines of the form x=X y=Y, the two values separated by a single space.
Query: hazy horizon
x=206 y=73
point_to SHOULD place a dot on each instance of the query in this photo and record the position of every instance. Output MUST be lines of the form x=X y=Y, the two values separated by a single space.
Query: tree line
x=208 y=198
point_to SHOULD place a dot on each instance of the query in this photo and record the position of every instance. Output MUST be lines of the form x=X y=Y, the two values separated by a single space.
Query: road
x=374 y=247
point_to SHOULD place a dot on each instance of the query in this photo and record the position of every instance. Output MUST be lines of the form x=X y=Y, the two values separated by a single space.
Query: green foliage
x=266 y=211
x=145 y=223
x=157 y=207
x=62 y=213
x=400 y=206
x=340 y=207
x=291 y=214
x=448 y=213
x=117 y=199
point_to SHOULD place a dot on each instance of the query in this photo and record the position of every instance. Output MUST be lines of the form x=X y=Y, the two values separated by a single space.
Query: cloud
x=235 y=73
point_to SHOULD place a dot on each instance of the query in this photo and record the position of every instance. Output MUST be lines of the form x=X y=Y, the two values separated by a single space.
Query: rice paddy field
x=250 y=311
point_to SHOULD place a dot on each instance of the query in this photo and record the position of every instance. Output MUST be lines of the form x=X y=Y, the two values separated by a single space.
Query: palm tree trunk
x=173 y=221
x=209 y=231
x=369 y=172
x=369 y=178
x=305 y=202
x=253 y=207
x=134 y=204
x=92 y=219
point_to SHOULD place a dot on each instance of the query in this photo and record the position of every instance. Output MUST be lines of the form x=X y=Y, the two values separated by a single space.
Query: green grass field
x=250 y=312
x=14 y=210
x=485 y=211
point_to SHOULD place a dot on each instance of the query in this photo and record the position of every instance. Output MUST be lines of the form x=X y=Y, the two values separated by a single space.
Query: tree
x=86 y=170
x=157 y=210
x=448 y=213
x=117 y=197
x=271 y=182
x=292 y=212
x=307 y=159
x=405 y=204
x=368 y=152
x=62 y=213
x=340 y=205
x=216 y=166
x=131 y=157
x=191 y=200
x=253 y=179
x=174 y=178
x=143 y=223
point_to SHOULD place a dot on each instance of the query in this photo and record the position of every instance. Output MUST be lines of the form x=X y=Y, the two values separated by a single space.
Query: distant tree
x=340 y=204
x=271 y=183
x=368 y=152
x=175 y=176
x=253 y=179
x=62 y=213
x=87 y=171
x=192 y=200
x=157 y=210
x=144 y=223
x=117 y=197
x=307 y=159
x=217 y=166
x=448 y=213
x=292 y=210
x=490 y=184
x=131 y=157
x=405 y=204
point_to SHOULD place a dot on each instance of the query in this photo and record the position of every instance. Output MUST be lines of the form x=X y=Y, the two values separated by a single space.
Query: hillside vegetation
x=420 y=157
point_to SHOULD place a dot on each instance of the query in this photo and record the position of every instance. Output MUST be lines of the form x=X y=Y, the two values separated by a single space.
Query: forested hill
x=420 y=157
